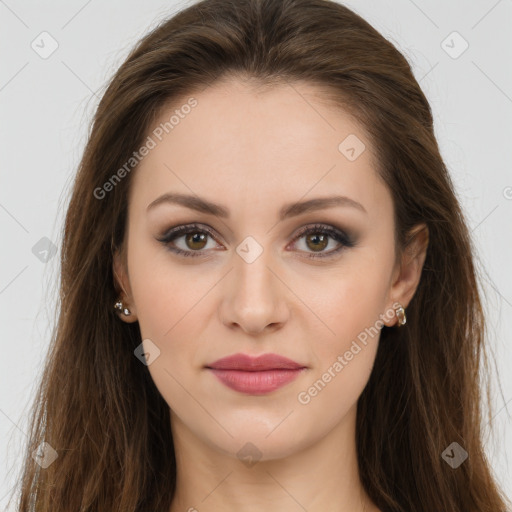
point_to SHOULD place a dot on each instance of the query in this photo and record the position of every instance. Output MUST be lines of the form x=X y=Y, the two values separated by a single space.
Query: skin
x=253 y=150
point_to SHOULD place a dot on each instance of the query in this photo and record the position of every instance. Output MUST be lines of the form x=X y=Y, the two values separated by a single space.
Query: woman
x=268 y=296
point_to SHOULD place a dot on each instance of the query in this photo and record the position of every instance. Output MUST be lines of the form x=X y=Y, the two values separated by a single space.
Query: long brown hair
x=97 y=405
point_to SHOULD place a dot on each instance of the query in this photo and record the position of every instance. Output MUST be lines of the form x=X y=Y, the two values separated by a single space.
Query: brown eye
x=317 y=238
x=196 y=240
x=317 y=242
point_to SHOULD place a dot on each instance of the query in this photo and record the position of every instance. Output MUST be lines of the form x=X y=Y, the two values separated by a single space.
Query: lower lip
x=256 y=383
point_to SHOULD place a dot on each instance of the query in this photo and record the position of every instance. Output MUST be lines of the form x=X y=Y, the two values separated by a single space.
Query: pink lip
x=255 y=375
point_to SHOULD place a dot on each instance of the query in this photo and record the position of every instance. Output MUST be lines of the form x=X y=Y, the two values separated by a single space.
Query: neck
x=312 y=477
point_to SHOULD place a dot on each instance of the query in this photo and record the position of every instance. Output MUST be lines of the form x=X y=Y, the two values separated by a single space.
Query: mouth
x=256 y=382
x=255 y=375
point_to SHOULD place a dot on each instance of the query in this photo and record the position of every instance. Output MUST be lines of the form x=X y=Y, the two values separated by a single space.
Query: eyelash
x=341 y=237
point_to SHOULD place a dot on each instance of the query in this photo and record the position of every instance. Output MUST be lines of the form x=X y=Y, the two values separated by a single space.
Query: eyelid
x=181 y=230
x=341 y=236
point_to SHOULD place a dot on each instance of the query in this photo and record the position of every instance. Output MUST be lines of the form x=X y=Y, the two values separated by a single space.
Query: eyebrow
x=288 y=210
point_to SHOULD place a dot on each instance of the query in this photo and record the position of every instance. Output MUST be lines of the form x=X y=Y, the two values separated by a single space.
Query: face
x=253 y=275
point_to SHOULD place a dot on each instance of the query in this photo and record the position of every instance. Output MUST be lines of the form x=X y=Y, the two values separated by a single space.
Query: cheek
x=350 y=301
x=170 y=313
x=168 y=303
x=162 y=290
x=343 y=358
x=350 y=305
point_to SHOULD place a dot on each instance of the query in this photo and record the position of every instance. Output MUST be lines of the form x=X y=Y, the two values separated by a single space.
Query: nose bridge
x=252 y=275
x=255 y=299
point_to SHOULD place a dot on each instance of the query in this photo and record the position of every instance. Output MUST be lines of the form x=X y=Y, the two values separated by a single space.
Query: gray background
x=47 y=103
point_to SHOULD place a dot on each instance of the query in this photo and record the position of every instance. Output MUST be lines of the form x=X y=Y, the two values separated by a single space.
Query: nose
x=254 y=297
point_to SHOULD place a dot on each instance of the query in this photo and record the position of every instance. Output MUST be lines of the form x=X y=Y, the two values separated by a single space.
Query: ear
x=407 y=274
x=122 y=285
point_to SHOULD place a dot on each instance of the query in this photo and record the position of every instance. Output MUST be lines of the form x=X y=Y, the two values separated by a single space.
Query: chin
x=257 y=441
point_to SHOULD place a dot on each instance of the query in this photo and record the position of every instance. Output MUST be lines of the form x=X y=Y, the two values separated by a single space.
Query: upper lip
x=260 y=363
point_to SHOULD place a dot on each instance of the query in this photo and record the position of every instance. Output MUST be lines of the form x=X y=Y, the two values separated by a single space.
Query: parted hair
x=98 y=407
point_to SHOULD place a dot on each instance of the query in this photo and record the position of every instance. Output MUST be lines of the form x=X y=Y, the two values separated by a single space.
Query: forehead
x=244 y=140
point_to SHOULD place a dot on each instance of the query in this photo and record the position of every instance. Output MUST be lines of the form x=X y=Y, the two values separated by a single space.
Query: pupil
x=322 y=238
x=197 y=238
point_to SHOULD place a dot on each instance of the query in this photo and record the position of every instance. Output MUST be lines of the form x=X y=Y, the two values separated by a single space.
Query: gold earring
x=119 y=306
x=400 y=314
